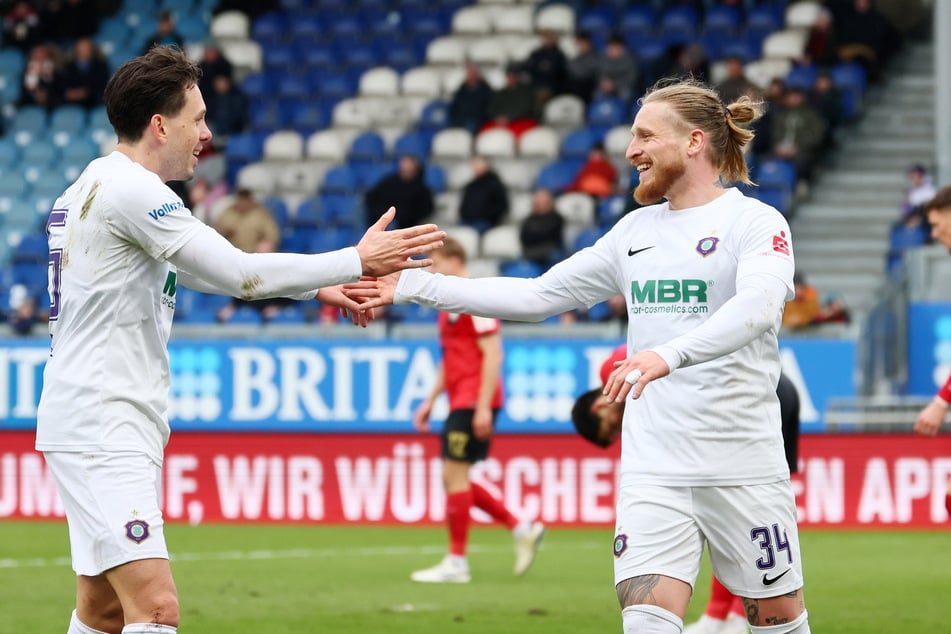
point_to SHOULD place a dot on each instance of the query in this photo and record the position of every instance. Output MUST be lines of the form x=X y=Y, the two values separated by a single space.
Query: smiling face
x=186 y=134
x=657 y=151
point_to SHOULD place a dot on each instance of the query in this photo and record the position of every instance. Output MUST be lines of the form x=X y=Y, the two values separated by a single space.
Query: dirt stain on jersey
x=89 y=198
x=250 y=285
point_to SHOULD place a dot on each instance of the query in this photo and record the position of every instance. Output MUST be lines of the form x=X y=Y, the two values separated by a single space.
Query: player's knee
x=800 y=625
x=162 y=609
x=650 y=619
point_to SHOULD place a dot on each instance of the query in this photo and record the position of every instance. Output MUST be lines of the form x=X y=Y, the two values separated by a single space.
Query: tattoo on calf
x=637 y=590
x=755 y=617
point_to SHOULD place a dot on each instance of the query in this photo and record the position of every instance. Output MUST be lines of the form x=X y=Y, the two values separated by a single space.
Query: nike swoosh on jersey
x=636 y=251
x=768 y=582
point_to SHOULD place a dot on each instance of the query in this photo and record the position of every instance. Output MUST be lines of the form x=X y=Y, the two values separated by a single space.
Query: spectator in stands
x=227 y=108
x=803 y=309
x=597 y=176
x=513 y=105
x=23 y=312
x=689 y=60
x=763 y=127
x=485 y=199
x=833 y=311
x=84 y=75
x=584 y=68
x=204 y=194
x=541 y=233
x=22 y=26
x=618 y=70
x=469 y=107
x=919 y=191
x=165 y=32
x=864 y=37
x=797 y=132
x=249 y=225
x=826 y=98
x=822 y=45
x=67 y=20
x=547 y=68
x=735 y=85
x=404 y=189
x=212 y=64
x=40 y=83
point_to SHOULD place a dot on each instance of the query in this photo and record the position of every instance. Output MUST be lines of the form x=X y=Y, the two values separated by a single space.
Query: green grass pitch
x=343 y=579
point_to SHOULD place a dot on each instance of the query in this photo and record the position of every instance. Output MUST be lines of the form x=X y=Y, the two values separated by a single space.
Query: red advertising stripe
x=844 y=480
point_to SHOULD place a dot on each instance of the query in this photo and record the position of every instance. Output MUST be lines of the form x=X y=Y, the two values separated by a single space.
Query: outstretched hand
x=383 y=252
x=372 y=292
x=349 y=309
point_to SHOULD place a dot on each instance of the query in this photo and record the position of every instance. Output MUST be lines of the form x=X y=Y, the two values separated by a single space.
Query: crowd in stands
x=615 y=50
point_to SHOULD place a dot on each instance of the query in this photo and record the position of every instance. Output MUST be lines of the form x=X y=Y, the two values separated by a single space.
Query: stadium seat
x=802 y=15
x=564 y=112
x=342 y=209
x=434 y=116
x=605 y=112
x=230 y=25
x=722 y=18
x=559 y=18
x=577 y=144
x=487 y=53
x=501 y=242
x=495 y=143
x=412 y=144
x=278 y=209
x=472 y=21
x=556 y=176
x=520 y=268
x=326 y=145
x=260 y=178
x=586 y=238
x=272 y=26
x=422 y=81
x=611 y=209
x=244 y=55
x=70 y=119
x=41 y=155
x=31 y=119
x=308 y=214
x=850 y=79
x=576 y=208
x=283 y=145
x=638 y=21
x=435 y=178
x=802 y=76
x=368 y=146
x=786 y=44
x=381 y=81
x=452 y=144
x=339 y=180
x=513 y=18
x=446 y=51
x=352 y=113
x=539 y=142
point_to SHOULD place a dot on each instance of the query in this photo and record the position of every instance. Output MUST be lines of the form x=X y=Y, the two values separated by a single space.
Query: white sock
x=148 y=628
x=459 y=560
x=650 y=619
x=78 y=627
x=707 y=619
x=521 y=530
x=799 y=626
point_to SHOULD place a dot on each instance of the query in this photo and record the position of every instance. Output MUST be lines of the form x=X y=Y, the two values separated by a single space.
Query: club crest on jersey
x=137 y=531
x=620 y=545
x=706 y=246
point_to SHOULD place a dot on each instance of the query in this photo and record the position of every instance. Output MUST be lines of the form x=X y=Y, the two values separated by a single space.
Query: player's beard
x=659 y=182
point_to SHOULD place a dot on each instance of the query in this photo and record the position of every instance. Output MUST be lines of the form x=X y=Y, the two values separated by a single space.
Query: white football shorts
x=112 y=507
x=751 y=532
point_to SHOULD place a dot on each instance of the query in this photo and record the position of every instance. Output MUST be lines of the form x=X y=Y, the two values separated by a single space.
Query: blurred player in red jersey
x=932 y=415
x=470 y=373
x=598 y=420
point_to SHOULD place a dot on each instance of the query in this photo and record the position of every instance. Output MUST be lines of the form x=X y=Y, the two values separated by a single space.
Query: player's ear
x=157 y=127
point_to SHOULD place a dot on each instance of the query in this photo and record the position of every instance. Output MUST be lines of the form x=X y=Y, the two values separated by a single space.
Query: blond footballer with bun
x=705 y=273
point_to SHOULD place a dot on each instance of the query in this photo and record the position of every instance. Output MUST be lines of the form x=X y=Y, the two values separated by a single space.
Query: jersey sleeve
x=582 y=280
x=146 y=212
x=765 y=248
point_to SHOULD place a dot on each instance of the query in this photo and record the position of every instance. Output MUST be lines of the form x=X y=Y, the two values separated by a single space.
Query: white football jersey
x=715 y=419
x=112 y=299
x=716 y=422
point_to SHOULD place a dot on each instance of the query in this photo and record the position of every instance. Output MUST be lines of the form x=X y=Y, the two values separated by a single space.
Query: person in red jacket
x=470 y=374
x=598 y=420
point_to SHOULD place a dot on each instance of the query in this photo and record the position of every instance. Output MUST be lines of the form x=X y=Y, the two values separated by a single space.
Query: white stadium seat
x=472 y=20
x=576 y=208
x=422 y=81
x=446 y=51
x=284 y=145
x=495 y=143
x=514 y=18
x=468 y=237
x=327 y=145
x=564 y=112
x=502 y=242
x=452 y=143
x=786 y=44
x=539 y=142
x=381 y=81
x=260 y=178
x=230 y=25
x=802 y=15
x=555 y=17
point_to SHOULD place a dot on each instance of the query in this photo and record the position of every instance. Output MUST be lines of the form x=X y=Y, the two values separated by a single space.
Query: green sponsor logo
x=170 y=284
x=668 y=291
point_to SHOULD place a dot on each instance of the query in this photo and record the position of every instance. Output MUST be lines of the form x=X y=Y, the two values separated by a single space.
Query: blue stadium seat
x=341 y=209
x=280 y=57
x=242 y=149
x=310 y=116
x=520 y=268
x=12 y=184
x=290 y=314
x=70 y=119
x=369 y=173
x=278 y=209
x=368 y=146
x=722 y=18
x=434 y=116
x=678 y=25
x=339 y=179
x=272 y=26
x=611 y=209
x=556 y=176
x=9 y=153
x=586 y=238
x=606 y=112
x=309 y=214
x=264 y=116
x=411 y=314
x=12 y=62
x=637 y=21
x=802 y=76
x=600 y=20
x=293 y=85
x=258 y=85
x=776 y=196
x=192 y=27
x=33 y=249
x=851 y=80
x=317 y=55
x=412 y=144
x=577 y=144
x=435 y=177
x=30 y=119
x=332 y=239
x=339 y=85
x=79 y=150
x=362 y=56
x=762 y=19
x=307 y=26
